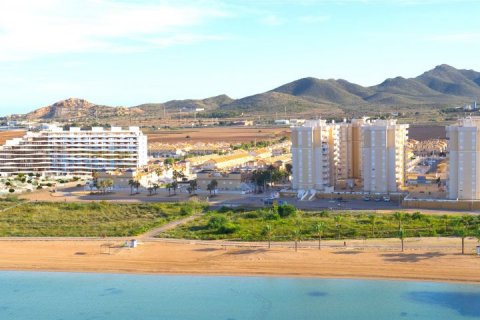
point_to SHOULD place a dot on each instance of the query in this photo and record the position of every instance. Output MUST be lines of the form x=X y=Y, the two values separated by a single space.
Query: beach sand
x=159 y=257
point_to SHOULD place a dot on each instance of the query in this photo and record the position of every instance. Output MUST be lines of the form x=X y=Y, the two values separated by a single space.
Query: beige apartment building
x=464 y=150
x=383 y=155
x=349 y=169
x=363 y=153
x=314 y=155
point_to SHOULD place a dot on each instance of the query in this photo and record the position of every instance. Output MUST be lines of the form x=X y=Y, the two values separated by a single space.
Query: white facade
x=464 y=153
x=383 y=156
x=55 y=151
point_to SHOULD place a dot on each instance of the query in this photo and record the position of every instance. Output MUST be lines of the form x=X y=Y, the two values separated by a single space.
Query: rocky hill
x=73 y=109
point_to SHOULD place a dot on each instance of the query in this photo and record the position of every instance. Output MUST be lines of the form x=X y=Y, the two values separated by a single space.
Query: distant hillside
x=79 y=109
x=440 y=87
x=176 y=105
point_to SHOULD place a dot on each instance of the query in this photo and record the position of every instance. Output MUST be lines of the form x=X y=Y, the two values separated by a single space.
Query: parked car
x=386 y=199
x=366 y=198
x=378 y=199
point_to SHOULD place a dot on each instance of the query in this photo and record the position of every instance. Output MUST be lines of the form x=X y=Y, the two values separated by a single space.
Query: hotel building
x=464 y=155
x=55 y=151
x=314 y=155
x=383 y=155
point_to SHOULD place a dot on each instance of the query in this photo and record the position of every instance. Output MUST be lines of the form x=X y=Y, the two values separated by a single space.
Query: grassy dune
x=253 y=225
x=89 y=219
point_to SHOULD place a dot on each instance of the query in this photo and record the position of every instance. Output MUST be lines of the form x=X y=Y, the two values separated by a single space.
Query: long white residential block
x=55 y=151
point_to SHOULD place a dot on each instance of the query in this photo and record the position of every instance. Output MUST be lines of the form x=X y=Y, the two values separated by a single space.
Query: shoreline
x=252 y=275
x=164 y=258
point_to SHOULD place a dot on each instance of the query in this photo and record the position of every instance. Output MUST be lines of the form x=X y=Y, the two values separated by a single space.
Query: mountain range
x=443 y=86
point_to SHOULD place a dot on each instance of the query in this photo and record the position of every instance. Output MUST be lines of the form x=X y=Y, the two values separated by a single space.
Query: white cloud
x=29 y=28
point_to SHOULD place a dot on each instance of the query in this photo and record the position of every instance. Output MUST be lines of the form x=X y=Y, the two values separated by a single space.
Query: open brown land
x=247 y=134
x=431 y=263
x=7 y=135
x=218 y=134
x=240 y=134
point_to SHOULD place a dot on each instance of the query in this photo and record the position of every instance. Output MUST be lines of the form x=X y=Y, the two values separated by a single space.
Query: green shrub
x=286 y=210
x=216 y=221
x=324 y=214
x=417 y=216
x=184 y=211
x=227 y=228
x=252 y=215
x=272 y=215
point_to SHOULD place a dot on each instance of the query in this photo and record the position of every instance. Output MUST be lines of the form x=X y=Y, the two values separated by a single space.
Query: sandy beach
x=160 y=257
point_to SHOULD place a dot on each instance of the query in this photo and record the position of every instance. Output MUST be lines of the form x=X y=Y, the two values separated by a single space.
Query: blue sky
x=126 y=53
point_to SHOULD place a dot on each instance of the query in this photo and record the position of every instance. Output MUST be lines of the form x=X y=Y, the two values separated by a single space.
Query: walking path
x=169 y=226
x=14 y=206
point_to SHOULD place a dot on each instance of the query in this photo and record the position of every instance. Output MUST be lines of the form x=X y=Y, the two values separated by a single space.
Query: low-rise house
x=232 y=181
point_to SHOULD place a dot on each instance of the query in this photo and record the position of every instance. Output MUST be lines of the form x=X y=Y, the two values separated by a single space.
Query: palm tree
x=137 y=186
x=174 y=187
x=212 y=186
x=399 y=217
x=95 y=176
x=107 y=183
x=460 y=232
x=319 y=227
x=192 y=186
x=296 y=237
x=131 y=183
x=373 y=220
x=155 y=187
x=401 y=236
x=168 y=186
x=445 y=219
x=267 y=232
x=337 y=219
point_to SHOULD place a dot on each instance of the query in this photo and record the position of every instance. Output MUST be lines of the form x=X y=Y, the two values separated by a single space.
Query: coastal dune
x=159 y=257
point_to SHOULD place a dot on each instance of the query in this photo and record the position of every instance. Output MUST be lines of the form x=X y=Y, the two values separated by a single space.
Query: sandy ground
x=212 y=259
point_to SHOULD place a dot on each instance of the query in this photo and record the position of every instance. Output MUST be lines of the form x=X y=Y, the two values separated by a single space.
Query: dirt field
x=183 y=258
x=247 y=134
x=218 y=134
x=6 y=135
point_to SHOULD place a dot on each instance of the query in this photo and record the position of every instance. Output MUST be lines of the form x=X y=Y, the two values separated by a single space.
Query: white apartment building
x=383 y=155
x=314 y=156
x=464 y=159
x=55 y=151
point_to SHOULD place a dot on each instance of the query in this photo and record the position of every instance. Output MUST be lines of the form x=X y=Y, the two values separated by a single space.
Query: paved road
x=318 y=204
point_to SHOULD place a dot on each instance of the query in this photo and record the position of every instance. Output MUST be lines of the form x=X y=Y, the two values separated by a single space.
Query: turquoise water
x=72 y=296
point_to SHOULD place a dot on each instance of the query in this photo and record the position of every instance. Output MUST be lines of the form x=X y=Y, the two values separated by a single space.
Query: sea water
x=85 y=296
